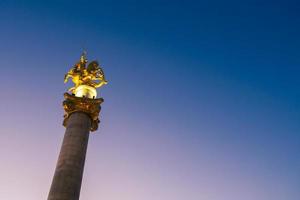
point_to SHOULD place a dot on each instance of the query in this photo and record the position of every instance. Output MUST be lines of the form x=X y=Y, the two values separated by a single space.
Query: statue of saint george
x=86 y=79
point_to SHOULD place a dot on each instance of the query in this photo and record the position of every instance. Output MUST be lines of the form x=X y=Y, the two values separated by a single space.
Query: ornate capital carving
x=91 y=107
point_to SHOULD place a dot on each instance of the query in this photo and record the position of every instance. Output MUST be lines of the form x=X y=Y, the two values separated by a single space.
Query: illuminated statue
x=86 y=79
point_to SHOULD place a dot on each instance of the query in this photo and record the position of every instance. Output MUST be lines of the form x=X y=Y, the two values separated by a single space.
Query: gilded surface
x=91 y=107
x=83 y=74
x=86 y=79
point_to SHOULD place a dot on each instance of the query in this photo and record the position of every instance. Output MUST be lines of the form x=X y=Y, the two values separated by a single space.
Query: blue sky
x=202 y=100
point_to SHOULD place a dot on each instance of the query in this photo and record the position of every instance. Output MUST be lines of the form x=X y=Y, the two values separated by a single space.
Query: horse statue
x=92 y=75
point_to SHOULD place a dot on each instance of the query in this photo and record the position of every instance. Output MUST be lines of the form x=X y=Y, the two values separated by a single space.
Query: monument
x=82 y=108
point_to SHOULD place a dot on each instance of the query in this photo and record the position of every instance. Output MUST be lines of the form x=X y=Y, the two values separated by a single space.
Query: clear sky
x=203 y=100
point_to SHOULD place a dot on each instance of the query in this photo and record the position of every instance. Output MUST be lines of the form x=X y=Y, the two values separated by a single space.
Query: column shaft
x=69 y=169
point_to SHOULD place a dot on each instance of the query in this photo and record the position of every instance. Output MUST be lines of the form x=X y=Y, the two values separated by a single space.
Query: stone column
x=81 y=116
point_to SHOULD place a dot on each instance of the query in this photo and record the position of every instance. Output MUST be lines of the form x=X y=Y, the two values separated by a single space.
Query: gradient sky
x=203 y=100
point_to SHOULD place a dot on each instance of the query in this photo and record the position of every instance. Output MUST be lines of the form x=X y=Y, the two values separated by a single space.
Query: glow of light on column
x=85 y=91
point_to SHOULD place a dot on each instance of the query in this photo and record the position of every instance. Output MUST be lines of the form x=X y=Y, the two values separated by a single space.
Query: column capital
x=89 y=106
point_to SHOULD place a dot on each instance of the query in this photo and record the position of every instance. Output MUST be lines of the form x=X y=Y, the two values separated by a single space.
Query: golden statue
x=86 y=79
